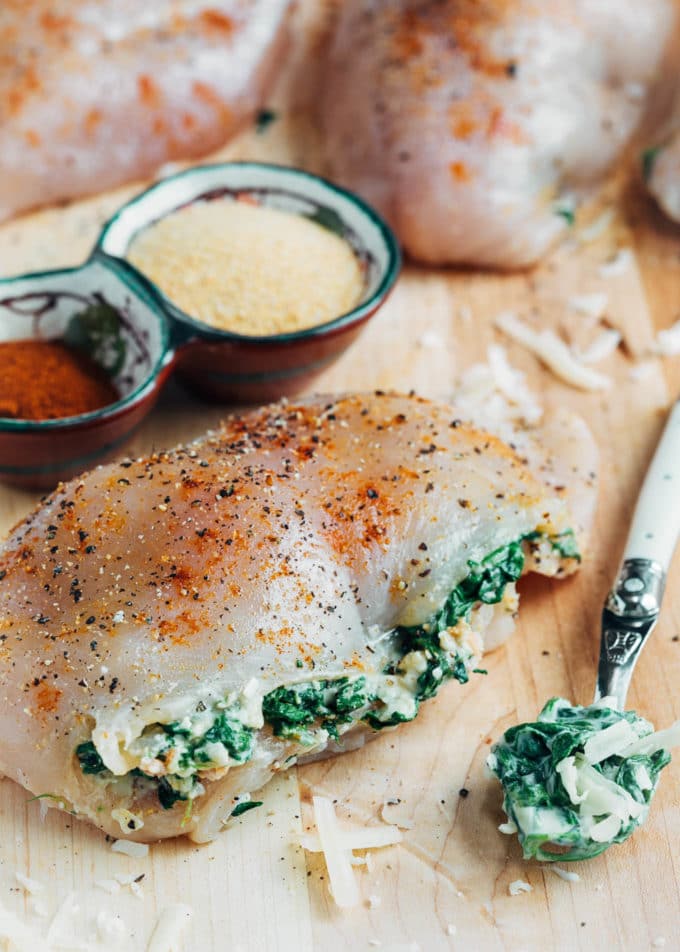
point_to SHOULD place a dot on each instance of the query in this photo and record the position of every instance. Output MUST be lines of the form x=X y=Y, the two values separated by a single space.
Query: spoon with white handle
x=579 y=779
x=633 y=605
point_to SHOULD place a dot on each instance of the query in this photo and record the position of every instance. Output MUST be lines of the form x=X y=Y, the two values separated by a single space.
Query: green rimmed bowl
x=155 y=337
x=136 y=352
x=226 y=366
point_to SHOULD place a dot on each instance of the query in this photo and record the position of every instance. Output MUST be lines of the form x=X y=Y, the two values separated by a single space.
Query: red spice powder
x=46 y=380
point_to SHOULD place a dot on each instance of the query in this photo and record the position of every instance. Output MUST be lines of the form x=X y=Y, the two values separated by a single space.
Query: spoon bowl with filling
x=267 y=273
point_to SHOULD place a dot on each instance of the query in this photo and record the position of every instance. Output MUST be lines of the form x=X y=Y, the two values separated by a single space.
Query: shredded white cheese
x=610 y=741
x=565 y=874
x=110 y=886
x=343 y=884
x=617 y=265
x=667 y=342
x=495 y=396
x=130 y=848
x=592 y=305
x=32 y=886
x=642 y=370
x=366 y=838
x=170 y=927
x=518 y=886
x=431 y=340
x=602 y=347
x=597 y=227
x=553 y=352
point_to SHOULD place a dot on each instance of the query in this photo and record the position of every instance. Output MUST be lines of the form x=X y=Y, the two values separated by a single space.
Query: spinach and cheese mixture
x=172 y=757
x=579 y=779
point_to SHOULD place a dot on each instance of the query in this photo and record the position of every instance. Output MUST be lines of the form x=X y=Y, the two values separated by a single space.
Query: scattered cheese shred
x=171 y=925
x=130 y=848
x=343 y=884
x=617 y=265
x=667 y=342
x=518 y=886
x=565 y=874
x=602 y=347
x=553 y=352
x=609 y=741
x=592 y=305
x=32 y=886
x=596 y=228
x=366 y=838
x=337 y=844
x=110 y=886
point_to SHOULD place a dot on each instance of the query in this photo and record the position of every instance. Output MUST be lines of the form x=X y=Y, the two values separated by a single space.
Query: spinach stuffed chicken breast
x=175 y=629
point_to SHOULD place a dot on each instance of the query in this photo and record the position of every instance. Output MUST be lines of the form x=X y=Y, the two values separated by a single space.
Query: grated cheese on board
x=171 y=925
x=553 y=352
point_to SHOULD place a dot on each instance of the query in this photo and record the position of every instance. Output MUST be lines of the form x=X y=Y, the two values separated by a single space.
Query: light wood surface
x=446 y=886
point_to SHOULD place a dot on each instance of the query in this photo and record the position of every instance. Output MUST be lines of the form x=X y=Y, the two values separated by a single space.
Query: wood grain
x=446 y=887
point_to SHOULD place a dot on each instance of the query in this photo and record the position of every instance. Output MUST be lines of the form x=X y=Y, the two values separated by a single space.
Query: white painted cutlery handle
x=633 y=605
x=656 y=522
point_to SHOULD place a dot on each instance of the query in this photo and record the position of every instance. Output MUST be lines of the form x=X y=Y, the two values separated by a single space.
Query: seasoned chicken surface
x=177 y=628
x=474 y=124
x=94 y=94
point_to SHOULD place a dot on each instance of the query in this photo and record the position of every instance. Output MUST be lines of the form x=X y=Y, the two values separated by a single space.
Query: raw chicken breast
x=663 y=175
x=94 y=94
x=177 y=628
x=471 y=124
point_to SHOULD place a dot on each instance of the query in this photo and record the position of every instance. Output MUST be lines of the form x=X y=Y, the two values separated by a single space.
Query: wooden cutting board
x=446 y=886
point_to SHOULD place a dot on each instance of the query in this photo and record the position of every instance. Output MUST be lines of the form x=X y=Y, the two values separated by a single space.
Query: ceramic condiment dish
x=153 y=337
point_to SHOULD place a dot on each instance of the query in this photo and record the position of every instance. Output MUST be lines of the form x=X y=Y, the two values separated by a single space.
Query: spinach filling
x=293 y=710
x=556 y=793
x=425 y=656
x=326 y=703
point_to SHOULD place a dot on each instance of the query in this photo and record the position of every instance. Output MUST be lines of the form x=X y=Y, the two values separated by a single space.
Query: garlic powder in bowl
x=248 y=268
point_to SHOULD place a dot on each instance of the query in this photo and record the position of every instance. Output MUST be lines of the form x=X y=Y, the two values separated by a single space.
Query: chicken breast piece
x=94 y=94
x=175 y=629
x=472 y=125
x=662 y=173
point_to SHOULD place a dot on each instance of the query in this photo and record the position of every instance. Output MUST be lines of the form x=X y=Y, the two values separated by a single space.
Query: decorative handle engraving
x=630 y=613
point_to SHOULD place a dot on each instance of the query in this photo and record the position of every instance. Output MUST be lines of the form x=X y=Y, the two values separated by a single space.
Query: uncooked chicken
x=661 y=167
x=475 y=125
x=94 y=94
x=176 y=629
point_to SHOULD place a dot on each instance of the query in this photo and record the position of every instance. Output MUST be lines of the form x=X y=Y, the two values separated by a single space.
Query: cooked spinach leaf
x=242 y=808
x=90 y=761
x=290 y=710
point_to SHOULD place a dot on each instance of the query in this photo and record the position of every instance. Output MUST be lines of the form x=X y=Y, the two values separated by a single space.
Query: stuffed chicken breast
x=177 y=628
x=474 y=125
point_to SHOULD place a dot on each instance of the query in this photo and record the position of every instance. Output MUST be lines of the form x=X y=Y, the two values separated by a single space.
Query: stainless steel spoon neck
x=629 y=615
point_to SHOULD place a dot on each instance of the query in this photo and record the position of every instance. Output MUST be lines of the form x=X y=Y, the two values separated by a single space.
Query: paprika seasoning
x=47 y=380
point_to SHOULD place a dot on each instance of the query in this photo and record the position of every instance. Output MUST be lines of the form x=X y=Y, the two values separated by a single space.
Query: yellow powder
x=248 y=268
